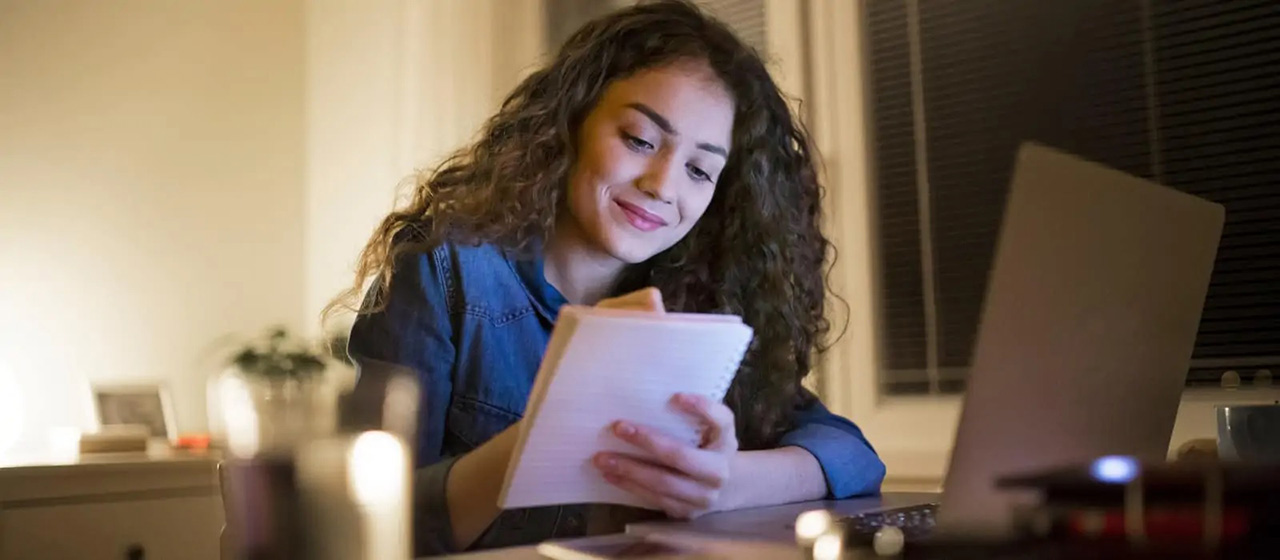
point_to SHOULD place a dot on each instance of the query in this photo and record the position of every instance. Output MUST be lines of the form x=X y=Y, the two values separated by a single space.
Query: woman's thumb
x=647 y=299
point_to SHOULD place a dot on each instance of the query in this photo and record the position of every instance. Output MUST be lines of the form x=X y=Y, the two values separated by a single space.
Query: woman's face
x=649 y=156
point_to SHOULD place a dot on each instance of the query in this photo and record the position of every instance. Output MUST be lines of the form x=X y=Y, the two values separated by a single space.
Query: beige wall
x=353 y=114
x=151 y=191
x=392 y=86
x=174 y=172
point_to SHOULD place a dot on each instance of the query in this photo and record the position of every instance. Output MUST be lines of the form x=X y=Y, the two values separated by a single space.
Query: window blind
x=1180 y=92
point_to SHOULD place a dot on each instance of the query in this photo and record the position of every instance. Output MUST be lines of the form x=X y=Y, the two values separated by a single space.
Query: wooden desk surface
x=767 y=529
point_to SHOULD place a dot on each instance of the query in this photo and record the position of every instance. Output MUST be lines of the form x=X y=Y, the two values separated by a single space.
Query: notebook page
x=616 y=368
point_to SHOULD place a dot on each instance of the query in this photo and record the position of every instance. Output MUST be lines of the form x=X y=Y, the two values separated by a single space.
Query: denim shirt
x=473 y=323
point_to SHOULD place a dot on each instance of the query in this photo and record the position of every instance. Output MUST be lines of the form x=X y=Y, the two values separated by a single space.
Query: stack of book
x=1211 y=505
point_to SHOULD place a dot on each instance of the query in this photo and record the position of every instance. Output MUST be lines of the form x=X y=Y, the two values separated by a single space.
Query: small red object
x=193 y=441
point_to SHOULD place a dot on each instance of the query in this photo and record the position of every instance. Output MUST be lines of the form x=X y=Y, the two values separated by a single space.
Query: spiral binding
x=731 y=370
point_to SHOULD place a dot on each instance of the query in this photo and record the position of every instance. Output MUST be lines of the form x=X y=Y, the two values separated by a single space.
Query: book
x=605 y=365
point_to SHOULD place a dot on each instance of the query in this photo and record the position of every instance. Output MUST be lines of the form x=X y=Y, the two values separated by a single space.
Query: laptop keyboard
x=916 y=522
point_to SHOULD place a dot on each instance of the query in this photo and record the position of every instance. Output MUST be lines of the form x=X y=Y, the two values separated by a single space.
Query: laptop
x=1092 y=308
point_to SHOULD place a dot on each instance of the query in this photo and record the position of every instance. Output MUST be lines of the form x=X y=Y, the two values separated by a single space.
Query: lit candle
x=378 y=471
x=354 y=493
x=812 y=524
x=828 y=546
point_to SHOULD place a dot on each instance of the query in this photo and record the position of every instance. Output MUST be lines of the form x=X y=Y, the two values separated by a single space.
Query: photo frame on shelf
x=147 y=404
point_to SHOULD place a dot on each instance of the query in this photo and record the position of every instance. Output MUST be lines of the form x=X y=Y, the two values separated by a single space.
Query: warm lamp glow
x=12 y=415
x=239 y=417
x=64 y=443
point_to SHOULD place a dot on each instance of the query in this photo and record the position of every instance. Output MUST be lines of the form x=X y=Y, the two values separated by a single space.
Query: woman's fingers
x=706 y=467
x=718 y=419
x=672 y=507
x=677 y=476
x=674 y=493
x=647 y=299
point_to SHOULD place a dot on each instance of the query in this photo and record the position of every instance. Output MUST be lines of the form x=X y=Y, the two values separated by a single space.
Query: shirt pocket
x=474 y=422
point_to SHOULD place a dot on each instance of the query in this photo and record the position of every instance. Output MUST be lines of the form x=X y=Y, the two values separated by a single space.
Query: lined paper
x=603 y=366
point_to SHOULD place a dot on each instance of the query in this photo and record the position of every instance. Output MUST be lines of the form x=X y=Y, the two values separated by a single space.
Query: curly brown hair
x=757 y=252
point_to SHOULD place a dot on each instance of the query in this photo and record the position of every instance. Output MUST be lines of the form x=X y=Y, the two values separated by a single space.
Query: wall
x=394 y=86
x=353 y=122
x=151 y=192
x=175 y=172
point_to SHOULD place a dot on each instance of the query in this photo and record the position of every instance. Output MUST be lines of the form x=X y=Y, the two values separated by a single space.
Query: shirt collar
x=529 y=267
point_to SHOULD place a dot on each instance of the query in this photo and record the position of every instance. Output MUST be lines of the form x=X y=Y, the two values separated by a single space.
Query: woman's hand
x=683 y=480
x=647 y=299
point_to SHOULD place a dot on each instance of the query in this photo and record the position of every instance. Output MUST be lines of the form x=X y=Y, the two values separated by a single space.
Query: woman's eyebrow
x=654 y=116
x=666 y=127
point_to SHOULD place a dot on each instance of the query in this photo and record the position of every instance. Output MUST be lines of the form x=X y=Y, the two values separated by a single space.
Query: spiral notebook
x=606 y=365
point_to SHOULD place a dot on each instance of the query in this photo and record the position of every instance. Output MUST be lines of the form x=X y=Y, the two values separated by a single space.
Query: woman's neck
x=583 y=272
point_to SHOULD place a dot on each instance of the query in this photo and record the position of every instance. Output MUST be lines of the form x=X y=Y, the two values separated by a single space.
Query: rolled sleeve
x=849 y=463
x=434 y=534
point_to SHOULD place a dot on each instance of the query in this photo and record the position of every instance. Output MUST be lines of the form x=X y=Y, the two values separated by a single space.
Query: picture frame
x=135 y=404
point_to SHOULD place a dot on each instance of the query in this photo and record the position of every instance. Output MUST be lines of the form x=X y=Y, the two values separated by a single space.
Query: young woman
x=653 y=164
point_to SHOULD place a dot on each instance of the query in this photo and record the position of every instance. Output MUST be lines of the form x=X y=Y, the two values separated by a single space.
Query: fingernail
x=606 y=462
x=624 y=429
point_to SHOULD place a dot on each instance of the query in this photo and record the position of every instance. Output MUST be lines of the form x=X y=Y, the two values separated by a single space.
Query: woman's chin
x=626 y=241
x=629 y=251
x=630 y=255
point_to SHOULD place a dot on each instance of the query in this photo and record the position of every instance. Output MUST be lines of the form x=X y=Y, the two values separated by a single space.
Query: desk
x=771 y=524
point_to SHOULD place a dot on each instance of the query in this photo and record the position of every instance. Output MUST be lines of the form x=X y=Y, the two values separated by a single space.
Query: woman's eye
x=699 y=174
x=636 y=143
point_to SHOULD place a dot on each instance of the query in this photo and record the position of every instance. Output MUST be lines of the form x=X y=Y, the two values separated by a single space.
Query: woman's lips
x=640 y=218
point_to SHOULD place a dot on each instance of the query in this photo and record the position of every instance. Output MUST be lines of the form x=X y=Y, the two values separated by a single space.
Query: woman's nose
x=659 y=182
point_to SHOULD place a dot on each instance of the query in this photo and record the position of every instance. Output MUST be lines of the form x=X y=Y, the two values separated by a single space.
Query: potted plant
x=279 y=359
x=273 y=393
